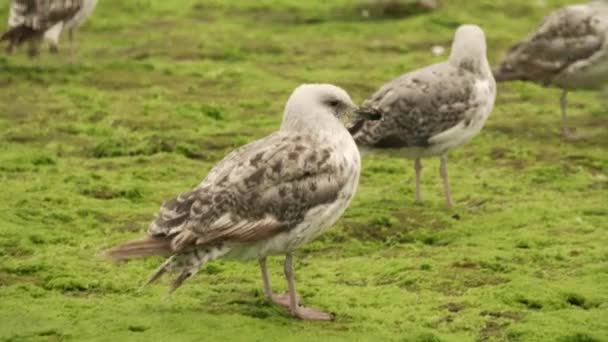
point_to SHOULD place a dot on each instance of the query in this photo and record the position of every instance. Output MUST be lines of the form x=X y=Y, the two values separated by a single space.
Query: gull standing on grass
x=268 y=197
x=569 y=50
x=432 y=110
x=32 y=20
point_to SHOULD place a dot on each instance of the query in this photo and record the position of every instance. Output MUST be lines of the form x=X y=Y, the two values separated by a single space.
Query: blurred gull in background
x=430 y=111
x=568 y=50
x=32 y=20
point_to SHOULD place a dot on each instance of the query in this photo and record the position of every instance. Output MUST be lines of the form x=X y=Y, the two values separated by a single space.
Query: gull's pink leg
x=282 y=299
x=294 y=308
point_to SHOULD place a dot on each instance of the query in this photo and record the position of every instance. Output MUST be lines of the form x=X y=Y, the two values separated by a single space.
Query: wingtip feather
x=149 y=246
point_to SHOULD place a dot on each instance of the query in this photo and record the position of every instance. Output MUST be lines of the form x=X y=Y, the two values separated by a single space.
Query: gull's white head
x=315 y=106
x=469 y=48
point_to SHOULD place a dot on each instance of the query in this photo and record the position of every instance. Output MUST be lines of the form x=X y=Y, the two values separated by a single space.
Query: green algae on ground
x=164 y=89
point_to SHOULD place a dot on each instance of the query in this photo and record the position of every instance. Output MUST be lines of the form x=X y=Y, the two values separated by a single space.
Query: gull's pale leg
x=418 y=169
x=443 y=170
x=72 y=53
x=294 y=308
x=265 y=279
x=10 y=49
x=53 y=48
x=281 y=299
x=291 y=283
x=33 y=48
x=563 y=101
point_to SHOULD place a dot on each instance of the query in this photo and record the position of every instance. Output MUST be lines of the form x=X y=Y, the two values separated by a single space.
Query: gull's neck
x=475 y=63
x=321 y=124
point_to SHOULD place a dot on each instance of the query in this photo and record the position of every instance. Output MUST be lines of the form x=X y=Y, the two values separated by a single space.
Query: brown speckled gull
x=268 y=197
x=430 y=111
x=32 y=20
x=568 y=50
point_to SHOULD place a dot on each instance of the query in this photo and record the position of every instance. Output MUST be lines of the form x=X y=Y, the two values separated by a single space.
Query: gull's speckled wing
x=258 y=190
x=569 y=38
x=418 y=106
x=40 y=15
x=30 y=18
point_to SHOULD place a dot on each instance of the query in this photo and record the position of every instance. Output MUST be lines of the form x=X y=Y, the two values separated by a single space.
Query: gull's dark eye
x=334 y=103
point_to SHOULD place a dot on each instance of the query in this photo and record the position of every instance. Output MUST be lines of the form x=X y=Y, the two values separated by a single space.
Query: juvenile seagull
x=32 y=20
x=265 y=198
x=435 y=109
x=569 y=50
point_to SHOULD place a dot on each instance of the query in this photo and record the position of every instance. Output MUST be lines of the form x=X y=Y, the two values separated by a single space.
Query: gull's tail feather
x=504 y=74
x=185 y=262
x=149 y=246
x=160 y=271
x=186 y=265
x=369 y=113
x=183 y=276
x=362 y=115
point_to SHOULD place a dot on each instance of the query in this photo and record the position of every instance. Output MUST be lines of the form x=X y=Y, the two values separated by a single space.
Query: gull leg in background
x=418 y=169
x=33 y=48
x=563 y=102
x=72 y=53
x=53 y=48
x=443 y=170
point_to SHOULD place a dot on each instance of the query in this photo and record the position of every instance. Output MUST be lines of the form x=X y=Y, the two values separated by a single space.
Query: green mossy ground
x=164 y=89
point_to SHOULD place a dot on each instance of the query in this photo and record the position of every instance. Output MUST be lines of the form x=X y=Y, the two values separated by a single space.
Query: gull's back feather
x=409 y=105
x=424 y=103
x=259 y=190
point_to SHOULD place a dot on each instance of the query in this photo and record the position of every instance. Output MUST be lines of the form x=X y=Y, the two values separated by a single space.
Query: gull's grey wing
x=566 y=37
x=259 y=190
x=30 y=18
x=417 y=106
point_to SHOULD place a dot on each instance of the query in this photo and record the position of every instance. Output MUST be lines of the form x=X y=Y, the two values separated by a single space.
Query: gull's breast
x=484 y=95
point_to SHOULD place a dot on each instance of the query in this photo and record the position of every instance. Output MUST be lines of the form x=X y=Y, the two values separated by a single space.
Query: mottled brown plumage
x=418 y=106
x=31 y=20
x=568 y=41
x=268 y=197
x=258 y=190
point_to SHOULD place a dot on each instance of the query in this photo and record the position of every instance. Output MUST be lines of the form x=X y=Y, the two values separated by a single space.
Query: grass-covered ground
x=164 y=89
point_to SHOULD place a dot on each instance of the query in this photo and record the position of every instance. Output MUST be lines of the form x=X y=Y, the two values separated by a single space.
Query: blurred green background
x=164 y=89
